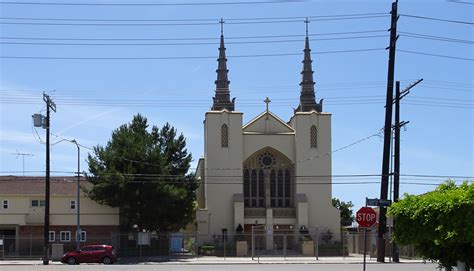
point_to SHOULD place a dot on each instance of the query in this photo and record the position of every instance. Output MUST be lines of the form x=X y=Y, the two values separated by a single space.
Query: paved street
x=250 y=267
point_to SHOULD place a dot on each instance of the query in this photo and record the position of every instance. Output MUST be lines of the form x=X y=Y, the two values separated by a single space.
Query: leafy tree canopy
x=440 y=224
x=345 y=209
x=142 y=172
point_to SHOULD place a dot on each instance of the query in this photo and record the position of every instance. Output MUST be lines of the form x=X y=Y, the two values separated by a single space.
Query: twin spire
x=221 y=100
x=307 y=95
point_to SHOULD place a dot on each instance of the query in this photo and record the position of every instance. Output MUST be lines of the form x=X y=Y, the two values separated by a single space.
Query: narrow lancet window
x=314 y=137
x=224 y=136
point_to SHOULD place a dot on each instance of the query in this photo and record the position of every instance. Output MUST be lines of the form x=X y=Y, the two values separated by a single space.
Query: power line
x=424 y=176
x=186 y=44
x=437 y=19
x=191 y=23
x=193 y=38
x=194 y=20
x=438 y=38
x=184 y=57
x=461 y=2
x=436 y=55
x=152 y=4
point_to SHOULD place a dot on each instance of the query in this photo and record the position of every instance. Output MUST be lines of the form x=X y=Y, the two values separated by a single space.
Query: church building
x=268 y=172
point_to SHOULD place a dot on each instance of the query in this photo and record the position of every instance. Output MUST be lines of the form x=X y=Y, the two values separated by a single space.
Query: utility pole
x=78 y=195
x=50 y=105
x=387 y=134
x=396 y=172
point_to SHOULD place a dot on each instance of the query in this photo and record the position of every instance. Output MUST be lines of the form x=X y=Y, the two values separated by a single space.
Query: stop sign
x=366 y=217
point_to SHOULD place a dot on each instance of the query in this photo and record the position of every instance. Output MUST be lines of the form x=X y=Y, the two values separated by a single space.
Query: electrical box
x=38 y=120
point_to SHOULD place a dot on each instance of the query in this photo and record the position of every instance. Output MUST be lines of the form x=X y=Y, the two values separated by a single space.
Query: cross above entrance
x=267 y=101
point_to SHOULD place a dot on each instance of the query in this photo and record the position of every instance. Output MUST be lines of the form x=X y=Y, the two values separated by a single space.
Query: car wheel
x=107 y=260
x=71 y=260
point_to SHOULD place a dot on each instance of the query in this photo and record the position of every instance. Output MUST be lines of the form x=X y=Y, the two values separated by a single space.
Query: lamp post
x=78 y=205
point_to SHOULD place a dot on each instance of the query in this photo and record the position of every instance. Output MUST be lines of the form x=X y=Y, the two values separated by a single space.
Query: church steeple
x=307 y=95
x=221 y=100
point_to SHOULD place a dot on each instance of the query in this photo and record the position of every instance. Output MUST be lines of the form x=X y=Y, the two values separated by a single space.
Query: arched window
x=287 y=195
x=246 y=188
x=261 y=189
x=268 y=180
x=314 y=137
x=224 y=136
x=272 y=188
x=253 y=187
x=280 y=189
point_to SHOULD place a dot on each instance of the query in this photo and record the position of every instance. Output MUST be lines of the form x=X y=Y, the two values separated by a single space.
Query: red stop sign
x=366 y=217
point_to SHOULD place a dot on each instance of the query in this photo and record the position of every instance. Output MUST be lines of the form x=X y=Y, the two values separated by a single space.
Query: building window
x=83 y=237
x=52 y=236
x=38 y=203
x=224 y=136
x=246 y=188
x=72 y=205
x=5 y=204
x=280 y=189
x=314 y=137
x=65 y=236
x=254 y=188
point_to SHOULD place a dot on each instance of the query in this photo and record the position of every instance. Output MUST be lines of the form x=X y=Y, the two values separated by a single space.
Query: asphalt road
x=251 y=267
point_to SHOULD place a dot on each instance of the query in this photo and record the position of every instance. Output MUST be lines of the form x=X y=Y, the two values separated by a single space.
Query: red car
x=91 y=254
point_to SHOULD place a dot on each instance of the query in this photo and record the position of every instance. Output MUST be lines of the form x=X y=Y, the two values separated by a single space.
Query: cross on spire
x=222 y=26
x=306 y=22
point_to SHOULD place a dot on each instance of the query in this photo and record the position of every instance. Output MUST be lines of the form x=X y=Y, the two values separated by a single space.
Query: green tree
x=143 y=174
x=345 y=209
x=440 y=224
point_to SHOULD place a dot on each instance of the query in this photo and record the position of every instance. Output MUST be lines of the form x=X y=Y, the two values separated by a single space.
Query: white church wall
x=223 y=168
x=284 y=143
x=314 y=169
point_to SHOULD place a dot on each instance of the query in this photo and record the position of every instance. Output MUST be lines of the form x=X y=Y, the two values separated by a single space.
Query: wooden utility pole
x=396 y=171
x=387 y=135
x=50 y=105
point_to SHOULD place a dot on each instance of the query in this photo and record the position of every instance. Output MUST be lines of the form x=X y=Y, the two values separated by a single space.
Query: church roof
x=274 y=125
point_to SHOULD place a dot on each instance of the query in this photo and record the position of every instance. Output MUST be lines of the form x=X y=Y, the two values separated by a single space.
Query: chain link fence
x=250 y=244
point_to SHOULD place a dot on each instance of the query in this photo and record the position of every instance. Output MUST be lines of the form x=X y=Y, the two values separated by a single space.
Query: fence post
x=225 y=244
x=3 y=247
x=31 y=245
x=169 y=245
x=317 y=243
x=196 y=244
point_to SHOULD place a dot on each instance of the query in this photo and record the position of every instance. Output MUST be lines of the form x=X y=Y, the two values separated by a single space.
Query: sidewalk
x=211 y=260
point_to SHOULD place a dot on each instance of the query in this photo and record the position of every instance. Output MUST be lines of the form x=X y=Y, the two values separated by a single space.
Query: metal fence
x=177 y=245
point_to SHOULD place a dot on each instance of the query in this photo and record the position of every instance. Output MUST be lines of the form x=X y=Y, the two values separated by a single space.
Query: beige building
x=22 y=213
x=267 y=172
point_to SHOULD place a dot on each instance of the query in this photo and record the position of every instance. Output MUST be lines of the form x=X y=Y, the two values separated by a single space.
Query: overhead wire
x=436 y=19
x=196 y=38
x=186 y=44
x=194 y=23
x=435 y=55
x=150 y=4
x=185 y=57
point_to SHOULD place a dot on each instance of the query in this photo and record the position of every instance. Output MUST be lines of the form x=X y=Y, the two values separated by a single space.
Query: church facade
x=267 y=172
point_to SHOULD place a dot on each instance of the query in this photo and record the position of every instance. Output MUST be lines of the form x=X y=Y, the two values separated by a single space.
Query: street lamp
x=78 y=205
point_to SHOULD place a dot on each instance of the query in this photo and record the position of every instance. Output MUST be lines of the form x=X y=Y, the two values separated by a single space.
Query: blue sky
x=94 y=96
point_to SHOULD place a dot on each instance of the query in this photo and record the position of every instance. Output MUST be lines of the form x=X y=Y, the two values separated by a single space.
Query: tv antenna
x=18 y=154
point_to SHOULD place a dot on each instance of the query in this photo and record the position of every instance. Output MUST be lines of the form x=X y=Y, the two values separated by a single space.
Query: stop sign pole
x=366 y=217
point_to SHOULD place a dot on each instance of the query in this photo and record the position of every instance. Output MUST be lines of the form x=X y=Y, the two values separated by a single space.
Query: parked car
x=91 y=254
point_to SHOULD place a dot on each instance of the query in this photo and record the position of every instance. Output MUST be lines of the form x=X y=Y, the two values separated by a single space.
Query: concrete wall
x=314 y=169
x=21 y=213
x=223 y=168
